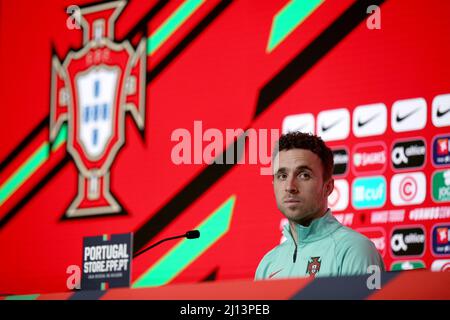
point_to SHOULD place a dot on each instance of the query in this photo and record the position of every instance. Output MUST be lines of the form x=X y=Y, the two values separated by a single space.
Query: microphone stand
x=186 y=235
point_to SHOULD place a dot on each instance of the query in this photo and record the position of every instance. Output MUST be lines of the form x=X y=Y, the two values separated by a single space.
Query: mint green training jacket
x=325 y=249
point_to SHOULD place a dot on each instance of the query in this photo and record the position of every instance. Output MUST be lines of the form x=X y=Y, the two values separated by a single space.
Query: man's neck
x=306 y=223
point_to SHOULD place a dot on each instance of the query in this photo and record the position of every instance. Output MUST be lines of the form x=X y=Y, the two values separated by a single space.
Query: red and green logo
x=407 y=265
x=441 y=186
x=93 y=90
x=313 y=267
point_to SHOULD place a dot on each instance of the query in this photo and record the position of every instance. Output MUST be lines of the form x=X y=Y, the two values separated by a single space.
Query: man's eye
x=304 y=175
x=282 y=176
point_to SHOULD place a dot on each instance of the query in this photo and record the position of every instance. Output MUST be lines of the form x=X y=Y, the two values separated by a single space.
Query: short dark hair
x=307 y=141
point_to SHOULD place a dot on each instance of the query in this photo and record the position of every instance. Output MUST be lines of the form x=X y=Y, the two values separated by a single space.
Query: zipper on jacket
x=295 y=253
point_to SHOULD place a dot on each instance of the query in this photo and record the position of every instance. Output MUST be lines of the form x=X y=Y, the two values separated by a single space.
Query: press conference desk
x=394 y=285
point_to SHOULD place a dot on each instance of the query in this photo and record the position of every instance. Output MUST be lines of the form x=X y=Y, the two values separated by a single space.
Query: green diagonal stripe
x=60 y=138
x=30 y=166
x=172 y=24
x=23 y=297
x=188 y=250
x=289 y=18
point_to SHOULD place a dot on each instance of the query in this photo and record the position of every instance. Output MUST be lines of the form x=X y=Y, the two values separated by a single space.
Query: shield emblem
x=97 y=94
x=313 y=266
x=92 y=91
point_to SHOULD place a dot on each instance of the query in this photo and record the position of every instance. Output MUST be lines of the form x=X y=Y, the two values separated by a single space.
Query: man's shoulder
x=355 y=252
x=346 y=238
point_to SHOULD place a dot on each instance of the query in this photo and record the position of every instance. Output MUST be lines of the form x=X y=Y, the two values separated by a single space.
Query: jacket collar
x=317 y=230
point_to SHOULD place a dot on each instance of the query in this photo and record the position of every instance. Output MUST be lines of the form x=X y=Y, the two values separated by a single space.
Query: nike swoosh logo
x=274 y=273
x=331 y=125
x=363 y=123
x=440 y=114
x=400 y=119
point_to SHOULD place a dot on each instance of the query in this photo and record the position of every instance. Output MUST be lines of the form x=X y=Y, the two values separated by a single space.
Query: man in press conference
x=316 y=243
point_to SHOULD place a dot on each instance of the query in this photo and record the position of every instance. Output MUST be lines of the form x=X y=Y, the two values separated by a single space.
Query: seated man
x=316 y=243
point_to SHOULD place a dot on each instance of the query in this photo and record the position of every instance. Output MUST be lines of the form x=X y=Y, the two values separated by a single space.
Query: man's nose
x=291 y=185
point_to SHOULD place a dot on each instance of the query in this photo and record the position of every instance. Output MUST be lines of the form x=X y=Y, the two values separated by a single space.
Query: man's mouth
x=291 y=201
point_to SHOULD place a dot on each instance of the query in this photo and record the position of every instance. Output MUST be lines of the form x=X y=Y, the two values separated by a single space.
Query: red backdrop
x=213 y=68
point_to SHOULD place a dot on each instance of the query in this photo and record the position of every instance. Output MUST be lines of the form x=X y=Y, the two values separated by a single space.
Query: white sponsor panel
x=441 y=265
x=440 y=115
x=408 y=188
x=338 y=199
x=409 y=115
x=432 y=213
x=333 y=124
x=303 y=122
x=370 y=120
x=387 y=216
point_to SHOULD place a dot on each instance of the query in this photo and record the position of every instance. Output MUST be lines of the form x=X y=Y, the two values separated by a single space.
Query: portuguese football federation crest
x=92 y=90
x=313 y=266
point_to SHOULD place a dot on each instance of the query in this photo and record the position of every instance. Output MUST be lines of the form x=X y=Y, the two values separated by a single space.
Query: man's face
x=300 y=191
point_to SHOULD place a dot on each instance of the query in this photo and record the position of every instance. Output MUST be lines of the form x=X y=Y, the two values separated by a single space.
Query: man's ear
x=329 y=187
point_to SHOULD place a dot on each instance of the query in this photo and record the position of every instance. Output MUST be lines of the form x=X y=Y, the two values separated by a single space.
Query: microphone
x=192 y=234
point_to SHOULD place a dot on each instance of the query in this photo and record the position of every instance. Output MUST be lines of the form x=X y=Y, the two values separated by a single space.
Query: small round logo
x=408 y=188
x=446 y=267
x=333 y=199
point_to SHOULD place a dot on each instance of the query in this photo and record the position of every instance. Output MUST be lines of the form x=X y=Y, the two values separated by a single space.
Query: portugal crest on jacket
x=92 y=91
x=313 y=266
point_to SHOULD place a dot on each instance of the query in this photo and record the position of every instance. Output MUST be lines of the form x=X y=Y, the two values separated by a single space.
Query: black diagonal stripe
x=11 y=213
x=212 y=276
x=336 y=32
x=141 y=26
x=13 y=154
x=193 y=34
x=315 y=51
x=183 y=199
